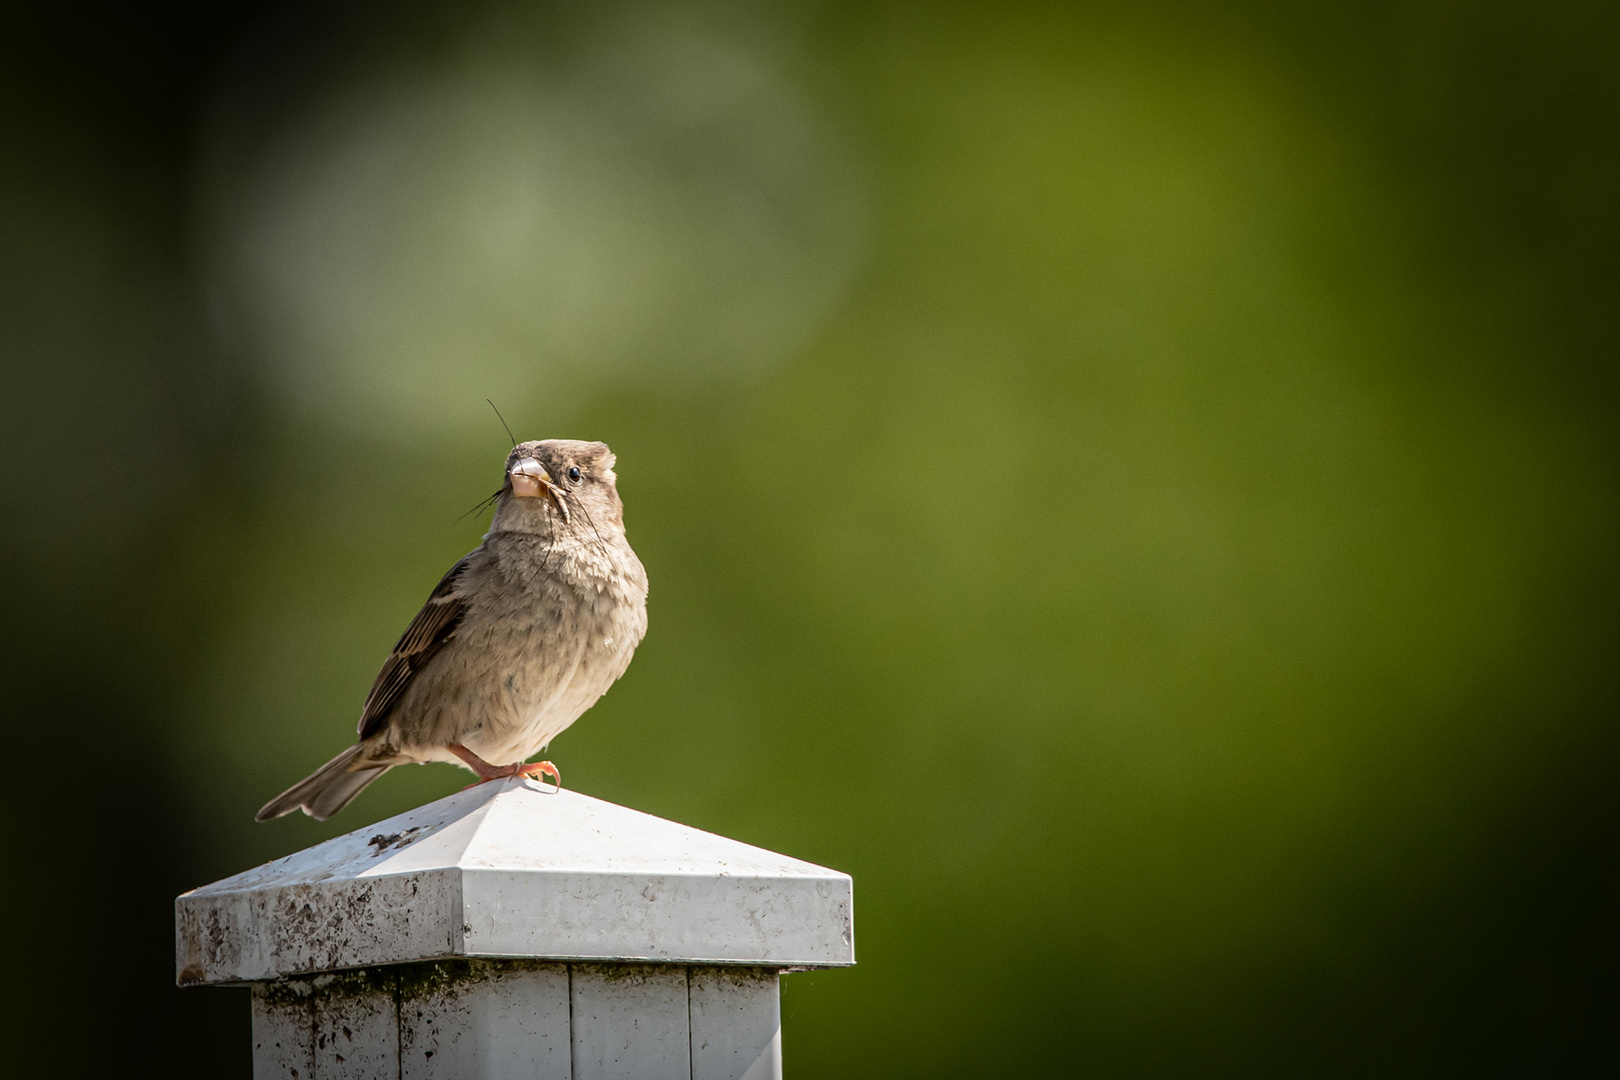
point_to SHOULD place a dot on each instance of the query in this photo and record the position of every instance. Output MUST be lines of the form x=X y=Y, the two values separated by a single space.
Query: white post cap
x=512 y=869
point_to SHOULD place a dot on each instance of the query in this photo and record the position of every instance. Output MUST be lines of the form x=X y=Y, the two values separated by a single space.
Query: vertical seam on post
x=399 y=1026
x=691 y=1049
x=573 y=1066
x=313 y=1029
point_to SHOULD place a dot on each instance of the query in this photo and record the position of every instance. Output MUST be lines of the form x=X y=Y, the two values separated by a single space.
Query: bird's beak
x=529 y=479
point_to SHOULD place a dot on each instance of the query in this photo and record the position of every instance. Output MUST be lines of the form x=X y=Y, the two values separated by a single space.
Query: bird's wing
x=434 y=625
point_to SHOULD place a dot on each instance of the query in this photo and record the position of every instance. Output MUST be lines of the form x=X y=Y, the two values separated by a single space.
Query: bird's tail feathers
x=326 y=790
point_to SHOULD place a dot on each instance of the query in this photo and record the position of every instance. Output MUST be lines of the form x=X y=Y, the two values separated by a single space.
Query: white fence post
x=512 y=931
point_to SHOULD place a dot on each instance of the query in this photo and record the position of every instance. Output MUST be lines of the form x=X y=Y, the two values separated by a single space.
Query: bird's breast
x=551 y=645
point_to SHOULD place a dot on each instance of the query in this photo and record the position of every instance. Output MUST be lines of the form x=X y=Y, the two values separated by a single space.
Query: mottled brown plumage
x=514 y=643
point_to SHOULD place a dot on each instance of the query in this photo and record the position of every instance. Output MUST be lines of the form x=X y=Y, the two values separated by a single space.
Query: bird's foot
x=487 y=772
x=540 y=770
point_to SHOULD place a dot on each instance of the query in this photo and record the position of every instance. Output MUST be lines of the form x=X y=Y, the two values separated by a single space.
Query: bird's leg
x=487 y=772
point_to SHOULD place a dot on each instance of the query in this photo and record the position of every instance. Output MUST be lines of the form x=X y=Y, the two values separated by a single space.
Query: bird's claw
x=537 y=771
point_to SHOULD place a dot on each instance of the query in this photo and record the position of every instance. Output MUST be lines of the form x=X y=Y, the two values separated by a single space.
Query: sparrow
x=521 y=636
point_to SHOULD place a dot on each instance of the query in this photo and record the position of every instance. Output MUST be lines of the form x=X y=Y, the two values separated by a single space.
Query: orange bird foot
x=487 y=772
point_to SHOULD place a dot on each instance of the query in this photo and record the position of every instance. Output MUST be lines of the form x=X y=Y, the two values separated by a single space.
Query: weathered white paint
x=510 y=869
x=283 y=1033
x=630 y=1023
x=331 y=1027
x=736 y=1023
x=356 y=1034
x=490 y=1021
x=509 y=931
x=507 y=1019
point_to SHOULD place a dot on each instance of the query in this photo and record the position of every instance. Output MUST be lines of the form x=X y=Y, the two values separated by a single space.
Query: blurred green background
x=1134 y=484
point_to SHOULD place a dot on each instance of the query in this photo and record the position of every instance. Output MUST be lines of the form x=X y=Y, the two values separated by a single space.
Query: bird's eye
x=573 y=474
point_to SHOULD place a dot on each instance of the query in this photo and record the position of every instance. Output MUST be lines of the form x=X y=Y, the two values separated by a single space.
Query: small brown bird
x=518 y=639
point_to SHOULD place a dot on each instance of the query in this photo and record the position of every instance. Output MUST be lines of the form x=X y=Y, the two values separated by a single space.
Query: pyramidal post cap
x=517 y=870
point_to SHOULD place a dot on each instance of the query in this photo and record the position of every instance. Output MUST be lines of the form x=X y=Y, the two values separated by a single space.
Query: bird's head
x=558 y=486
